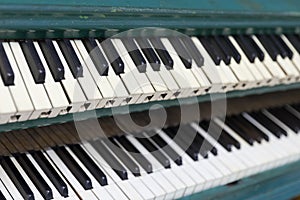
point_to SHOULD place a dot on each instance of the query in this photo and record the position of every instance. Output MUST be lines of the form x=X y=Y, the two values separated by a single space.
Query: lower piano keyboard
x=148 y=165
x=46 y=78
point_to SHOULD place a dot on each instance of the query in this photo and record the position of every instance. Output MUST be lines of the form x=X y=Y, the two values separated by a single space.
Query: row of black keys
x=218 y=47
x=199 y=145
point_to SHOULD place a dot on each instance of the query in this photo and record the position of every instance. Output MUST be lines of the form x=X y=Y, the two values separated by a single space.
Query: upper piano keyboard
x=60 y=61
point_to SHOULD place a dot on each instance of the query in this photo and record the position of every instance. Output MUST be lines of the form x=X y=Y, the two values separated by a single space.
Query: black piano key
x=110 y=159
x=17 y=178
x=201 y=145
x=238 y=130
x=246 y=44
x=216 y=133
x=56 y=67
x=136 y=154
x=193 y=50
x=34 y=62
x=135 y=54
x=225 y=49
x=247 y=124
x=122 y=155
x=185 y=145
x=287 y=118
x=212 y=50
x=162 y=52
x=73 y=166
x=149 y=53
x=269 y=46
x=96 y=56
x=51 y=173
x=277 y=44
x=283 y=48
x=181 y=51
x=34 y=176
x=259 y=52
x=296 y=107
x=112 y=55
x=71 y=57
x=2 y=197
x=295 y=41
x=243 y=124
x=268 y=124
x=166 y=148
x=233 y=51
x=89 y=164
x=6 y=71
x=164 y=161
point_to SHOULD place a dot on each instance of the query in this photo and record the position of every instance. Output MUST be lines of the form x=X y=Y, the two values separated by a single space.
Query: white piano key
x=87 y=83
x=120 y=92
x=36 y=193
x=102 y=82
x=56 y=194
x=9 y=184
x=156 y=80
x=4 y=191
x=71 y=86
x=54 y=90
x=288 y=67
x=69 y=176
x=142 y=82
x=296 y=57
x=184 y=77
x=216 y=78
x=18 y=91
x=201 y=78
x=273 y=67
x=7 y=107
x=37 y=92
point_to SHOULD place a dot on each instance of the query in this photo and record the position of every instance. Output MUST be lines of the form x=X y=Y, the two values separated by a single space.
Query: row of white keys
x=158 y=169
x=248 y=69
x=97 y=189
x=38 y=95
x=71 y=86
x=150 y=187
x=289 y=152
x=184 y=77
x=216 y=78
x=156 y=80
x=227 y=159
x=102 y=82
x=18 y=91
x=121 y=95
x=4 y=191
x=9 y=184
x=119 y=189
x=89 y=87
x=296 y=56
x=54 y=90
x=140 y=84
x=197 y=177
x=272 y=66
x=63 y=169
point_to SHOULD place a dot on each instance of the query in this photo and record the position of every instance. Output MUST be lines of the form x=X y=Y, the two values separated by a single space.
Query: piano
x=149 y=100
